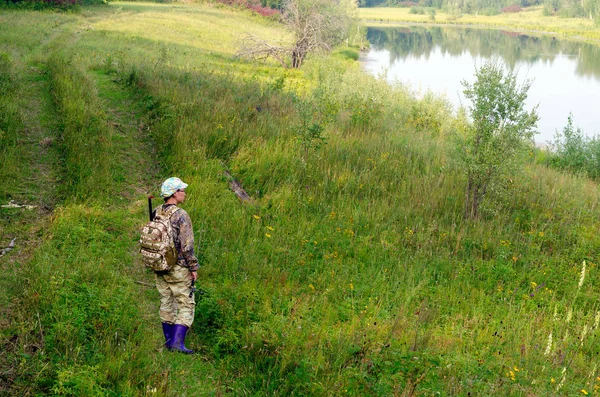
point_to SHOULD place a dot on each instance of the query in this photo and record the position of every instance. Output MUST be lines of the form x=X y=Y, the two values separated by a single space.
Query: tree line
x=564 y=8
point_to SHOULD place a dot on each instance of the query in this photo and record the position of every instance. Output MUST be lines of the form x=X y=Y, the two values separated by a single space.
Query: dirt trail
x=138 y=168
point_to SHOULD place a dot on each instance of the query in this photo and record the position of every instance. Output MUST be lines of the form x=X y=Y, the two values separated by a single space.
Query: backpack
x=156 y=241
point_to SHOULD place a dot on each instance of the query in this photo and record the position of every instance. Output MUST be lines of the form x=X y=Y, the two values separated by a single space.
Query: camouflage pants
x=176 y=306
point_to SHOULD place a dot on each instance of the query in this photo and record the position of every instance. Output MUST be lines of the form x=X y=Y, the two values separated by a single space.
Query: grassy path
x=137 y=169
x=78 y=256
x=140 y=172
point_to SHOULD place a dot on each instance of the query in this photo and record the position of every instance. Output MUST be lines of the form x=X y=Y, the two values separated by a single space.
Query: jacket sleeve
x=184 y=239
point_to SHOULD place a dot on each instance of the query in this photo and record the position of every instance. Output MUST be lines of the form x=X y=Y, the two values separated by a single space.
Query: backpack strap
x=169 y=211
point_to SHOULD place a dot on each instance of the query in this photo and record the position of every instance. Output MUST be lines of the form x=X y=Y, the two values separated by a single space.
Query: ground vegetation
x=352 y=270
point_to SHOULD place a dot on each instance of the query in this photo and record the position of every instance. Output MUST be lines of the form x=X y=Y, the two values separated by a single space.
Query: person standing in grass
x=177 y=301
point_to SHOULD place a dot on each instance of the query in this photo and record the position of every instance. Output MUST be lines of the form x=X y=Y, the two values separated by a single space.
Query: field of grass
x=529 y=20
x=352 y=272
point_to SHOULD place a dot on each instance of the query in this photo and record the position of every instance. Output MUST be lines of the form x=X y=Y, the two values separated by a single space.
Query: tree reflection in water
x=511 y=47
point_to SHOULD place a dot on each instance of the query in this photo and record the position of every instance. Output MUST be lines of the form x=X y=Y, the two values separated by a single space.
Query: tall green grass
x=10 y=125
x=74 y=317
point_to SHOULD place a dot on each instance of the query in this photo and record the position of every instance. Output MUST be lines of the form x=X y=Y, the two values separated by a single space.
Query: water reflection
x=513 y=47
x=566 y=74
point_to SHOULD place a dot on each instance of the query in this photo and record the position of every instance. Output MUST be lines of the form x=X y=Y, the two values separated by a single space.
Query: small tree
x=501 y=127
x=316 y=25
x=570 y=148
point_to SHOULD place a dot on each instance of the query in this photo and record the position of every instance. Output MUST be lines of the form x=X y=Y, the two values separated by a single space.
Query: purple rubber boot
x=178 y=339
x=168 y=331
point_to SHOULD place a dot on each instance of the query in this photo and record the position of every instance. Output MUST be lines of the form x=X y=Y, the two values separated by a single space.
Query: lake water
x=565 y=74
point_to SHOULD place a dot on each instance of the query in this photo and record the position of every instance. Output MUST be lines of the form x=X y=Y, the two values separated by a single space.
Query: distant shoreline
x=528 y=21
x=374 y=23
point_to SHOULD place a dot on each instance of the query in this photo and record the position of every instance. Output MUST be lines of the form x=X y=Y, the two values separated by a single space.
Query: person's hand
x=194 y=275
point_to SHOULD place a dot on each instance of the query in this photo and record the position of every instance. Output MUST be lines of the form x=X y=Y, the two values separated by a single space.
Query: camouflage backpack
x=156 y=241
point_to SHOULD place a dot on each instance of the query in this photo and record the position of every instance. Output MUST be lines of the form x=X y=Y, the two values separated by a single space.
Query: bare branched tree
x=256 y=48
x=316 y=25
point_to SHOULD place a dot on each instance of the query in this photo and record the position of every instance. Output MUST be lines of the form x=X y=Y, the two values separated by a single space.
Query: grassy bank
x=352 y=272
x=529 y=20
x=68 y=286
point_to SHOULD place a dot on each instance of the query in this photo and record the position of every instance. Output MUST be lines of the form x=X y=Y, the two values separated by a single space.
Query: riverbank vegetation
x=563 y=8
x=530 y=19
x=574 y=152
x=351 y=272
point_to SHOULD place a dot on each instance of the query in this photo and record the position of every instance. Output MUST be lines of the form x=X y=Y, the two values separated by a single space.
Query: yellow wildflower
x=584 y=392
x=256 y=217
x=268 y=235
x=270 y=228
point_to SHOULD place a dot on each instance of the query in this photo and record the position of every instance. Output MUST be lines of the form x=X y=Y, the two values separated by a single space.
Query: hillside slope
x=352 y=272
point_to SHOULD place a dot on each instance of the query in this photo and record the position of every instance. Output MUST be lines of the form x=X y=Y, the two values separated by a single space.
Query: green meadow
x=350 y=272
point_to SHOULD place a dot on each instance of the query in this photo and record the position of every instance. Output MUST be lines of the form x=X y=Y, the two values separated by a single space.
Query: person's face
x=179 y=196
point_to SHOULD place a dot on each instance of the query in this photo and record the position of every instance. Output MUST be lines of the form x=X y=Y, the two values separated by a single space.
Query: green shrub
x=573 y=152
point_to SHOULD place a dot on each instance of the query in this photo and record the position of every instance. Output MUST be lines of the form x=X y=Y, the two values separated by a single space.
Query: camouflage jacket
x=183 y=236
